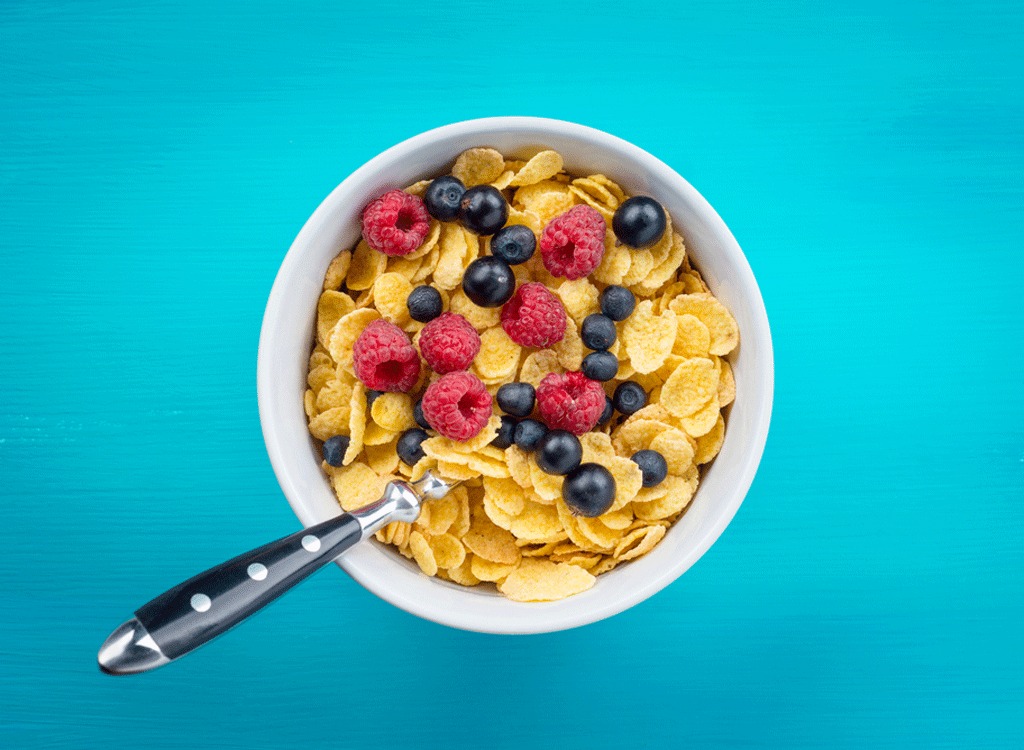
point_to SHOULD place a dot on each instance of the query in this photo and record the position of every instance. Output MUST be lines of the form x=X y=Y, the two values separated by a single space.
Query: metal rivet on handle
x=257 y=571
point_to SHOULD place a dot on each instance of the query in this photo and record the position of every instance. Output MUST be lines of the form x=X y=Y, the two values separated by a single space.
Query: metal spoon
x=197 y=611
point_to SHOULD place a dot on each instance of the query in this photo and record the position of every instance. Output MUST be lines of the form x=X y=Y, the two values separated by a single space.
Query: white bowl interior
x=287 y=336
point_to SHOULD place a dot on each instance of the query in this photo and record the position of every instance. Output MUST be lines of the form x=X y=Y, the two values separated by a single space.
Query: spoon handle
x=185 y=617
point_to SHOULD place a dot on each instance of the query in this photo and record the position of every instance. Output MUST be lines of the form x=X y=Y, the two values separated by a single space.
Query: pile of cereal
x=541 y=338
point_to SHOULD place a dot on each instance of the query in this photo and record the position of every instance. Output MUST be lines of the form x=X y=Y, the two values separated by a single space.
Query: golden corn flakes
x=507 y=523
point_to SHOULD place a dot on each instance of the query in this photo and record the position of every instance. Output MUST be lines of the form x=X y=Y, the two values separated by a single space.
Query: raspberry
x=385 y=359
x=534 y=316
x=449 y=343
x=457 y=405
x=396 y=223
x=570 y=402
x=572 y=244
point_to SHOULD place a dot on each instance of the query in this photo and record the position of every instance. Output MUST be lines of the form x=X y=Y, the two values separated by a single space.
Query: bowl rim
x=547 y=619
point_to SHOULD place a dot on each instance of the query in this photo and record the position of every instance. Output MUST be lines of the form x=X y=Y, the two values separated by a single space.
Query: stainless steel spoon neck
x=432 y=487
x=398 y=503
x=129 y=650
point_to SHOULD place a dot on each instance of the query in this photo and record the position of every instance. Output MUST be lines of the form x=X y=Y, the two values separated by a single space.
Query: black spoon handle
x=198 y=610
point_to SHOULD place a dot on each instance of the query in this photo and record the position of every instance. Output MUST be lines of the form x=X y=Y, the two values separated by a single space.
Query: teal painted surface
x=155 y=163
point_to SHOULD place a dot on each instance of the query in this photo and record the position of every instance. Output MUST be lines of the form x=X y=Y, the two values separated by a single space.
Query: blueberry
x=559 y=452
x=514 y=244
x=629 y=397
x=617 y=302
x=443 y=197
x=334 y=449
x=408 y=447
x=606 y=415
x=600 y=366
x=639 y=222
x=516 y=399
x=528 y=433
x=506 y=433
x=489 y=282
x=652 y=465
x=371 y=396
x=424 y=303
x=483 y=209
x=589 y=490
x=598 y=332
x=417 y=414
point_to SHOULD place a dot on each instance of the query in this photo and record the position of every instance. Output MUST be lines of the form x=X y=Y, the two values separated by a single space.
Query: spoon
x=194 y=612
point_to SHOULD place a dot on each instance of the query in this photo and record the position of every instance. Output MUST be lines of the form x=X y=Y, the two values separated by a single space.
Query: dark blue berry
x=489 y=282
x=652 y=465
x=443 y=197
x=617 y=302
x=514 y=244
x=408 y=447
x=483 y=209
x=506 y=433
x=559 y=452
x=598 y=332
x=606 y=415
x=424 y=303
x=334 y=449
x=516 y=399
x=600 y=366
x=629 y=397
x=639 y=222
x=589 y=490
x=417 y=414
x=528 y=433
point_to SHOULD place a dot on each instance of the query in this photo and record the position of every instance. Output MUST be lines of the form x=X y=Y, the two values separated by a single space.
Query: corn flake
x=639 y=542
x=692 y=337
x=393 y=411
x=648 y=338
x=344 y=334
x=481 y=318
x=331 y=308
x=690 y=387
x=547 y=199
x=478 y=166
x=356 y=423
x=486 y=570
x=725 y=334
x=422 y=553
x=726 y=384
x=678 y=492
x=710 y=443
x=543 y=166
x=579 y=298
x=337 y=269
x=541 y=580
x=498 y=357
x=676 y=447
x=391 y=292
x=366 y=265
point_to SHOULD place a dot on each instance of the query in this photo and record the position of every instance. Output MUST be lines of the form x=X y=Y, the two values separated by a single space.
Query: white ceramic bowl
x=287 y=336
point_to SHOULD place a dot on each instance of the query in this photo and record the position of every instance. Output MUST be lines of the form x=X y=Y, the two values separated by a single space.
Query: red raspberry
x=570 y=402
x=449 y=343
x=396 y=223
x=457 y=405
x=385 y=359
x=534 y=316
x=572 y=244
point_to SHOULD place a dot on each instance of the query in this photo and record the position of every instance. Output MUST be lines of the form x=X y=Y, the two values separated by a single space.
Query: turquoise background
x=157 y=160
